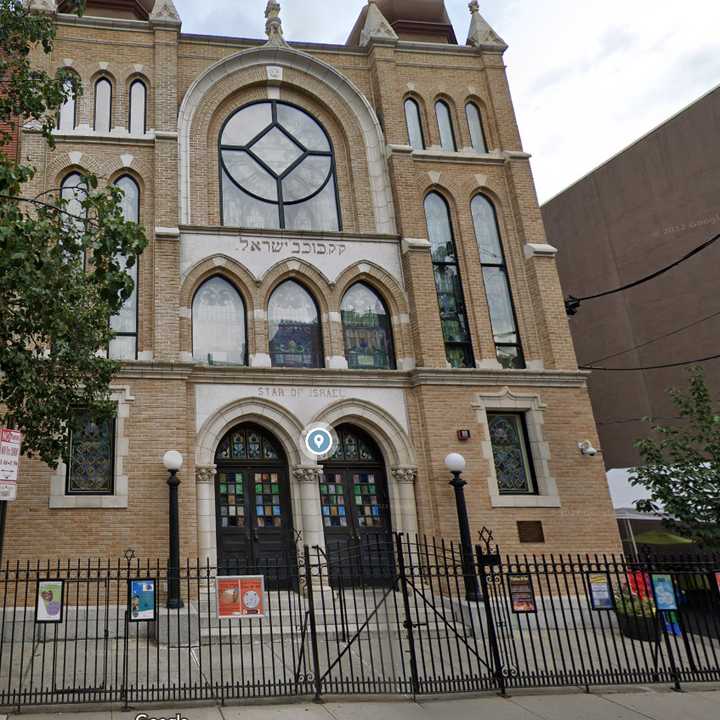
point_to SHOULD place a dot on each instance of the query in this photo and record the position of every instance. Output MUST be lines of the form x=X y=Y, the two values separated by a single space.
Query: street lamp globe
x=172 y=460
x=455 y=463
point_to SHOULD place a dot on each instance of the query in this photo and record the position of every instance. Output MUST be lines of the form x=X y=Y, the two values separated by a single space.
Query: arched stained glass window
x=218 y=320
x=278 y=170
x=497 y=285
x=453 y=316
x=414 y=125
x=294 y=327
x=103 y=105
x=367 y=330
x=125 y=324
x=73 y=191
x=91 y=456
x=67 y=117
x=513 y=467
x=475 y=125
x=445 y=126
x=137 y=121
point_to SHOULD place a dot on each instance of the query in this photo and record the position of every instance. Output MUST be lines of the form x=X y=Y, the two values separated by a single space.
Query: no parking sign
x=10 y=442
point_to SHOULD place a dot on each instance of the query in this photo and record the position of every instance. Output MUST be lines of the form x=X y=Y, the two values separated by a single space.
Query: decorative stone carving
x=165 y=12
x=376 y=26
x=205 y=474
x=402 y=475
x=481 y=34
x=273 y=24
x=47 y=6
x=307 y=473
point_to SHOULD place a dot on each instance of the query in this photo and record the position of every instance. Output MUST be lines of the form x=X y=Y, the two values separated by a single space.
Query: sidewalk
x=630 y=705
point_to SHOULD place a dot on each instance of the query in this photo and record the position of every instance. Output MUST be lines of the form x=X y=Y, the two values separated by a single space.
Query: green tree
x=681 y=466
x=62 y=268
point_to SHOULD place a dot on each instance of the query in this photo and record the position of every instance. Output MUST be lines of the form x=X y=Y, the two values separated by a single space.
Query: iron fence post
x=408 y=624
x=490 y=560
x=313 y=625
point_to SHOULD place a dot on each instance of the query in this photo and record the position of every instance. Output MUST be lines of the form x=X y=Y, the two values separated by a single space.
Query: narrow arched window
x=125 y=324
x=367 y=330
x=444 y=121
x=414 y=125
x=451 y=300
x=278 y=170
x=137 y=121
x=294 y=327
x=73 y=191
x=67 y=117
x=497 y=285
x=475 y=125
x=103 y=105
x=218 y=323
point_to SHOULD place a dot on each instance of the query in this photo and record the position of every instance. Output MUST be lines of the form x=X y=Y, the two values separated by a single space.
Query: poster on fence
x=142 y=600
x=601 y=597
x=664 y=592
x=522 y=595
x=717 y=580
x=49 y=601
x=241 y=596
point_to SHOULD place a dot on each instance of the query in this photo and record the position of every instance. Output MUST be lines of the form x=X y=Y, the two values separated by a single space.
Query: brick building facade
x=344 y=234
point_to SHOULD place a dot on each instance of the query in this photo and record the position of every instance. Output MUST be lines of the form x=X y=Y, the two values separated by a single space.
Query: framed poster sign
x=664 y=591
x=241 y=596
x=601 y=597
x=50 y=601
x=522 y=595
x=142 y=600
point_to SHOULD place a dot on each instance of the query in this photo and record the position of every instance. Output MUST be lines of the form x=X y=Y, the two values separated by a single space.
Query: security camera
x=586 y=448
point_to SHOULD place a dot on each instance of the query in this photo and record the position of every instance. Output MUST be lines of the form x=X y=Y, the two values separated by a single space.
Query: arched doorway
x=252 y=500
x=356 y=509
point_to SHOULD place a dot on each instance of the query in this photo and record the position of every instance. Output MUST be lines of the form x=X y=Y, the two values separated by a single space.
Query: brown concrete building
x=345 y=235
x=642 y=210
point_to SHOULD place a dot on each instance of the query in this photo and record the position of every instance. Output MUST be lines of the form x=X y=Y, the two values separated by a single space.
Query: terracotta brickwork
x=413 y=412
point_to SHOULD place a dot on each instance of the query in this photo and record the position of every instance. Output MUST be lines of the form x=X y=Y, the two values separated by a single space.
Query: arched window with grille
x=137 y=115
x=475 y=125
x=125 y=324
x=367 y=330
x=219 y=324
x=294 y=327
x=278 y=170
x=451 y=299
x=445 y=126
x=103 y=106
x=497 y=285
x=67 y=116
x=414 y=124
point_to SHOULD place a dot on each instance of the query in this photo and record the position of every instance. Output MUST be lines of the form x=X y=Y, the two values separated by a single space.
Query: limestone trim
x=481 y=35
x=539 y=250
x=376 y=27
x=205 y=474
x=533 y=408
x=348 y=93
x=59 y=500
x=307 y=473
x=404 y=474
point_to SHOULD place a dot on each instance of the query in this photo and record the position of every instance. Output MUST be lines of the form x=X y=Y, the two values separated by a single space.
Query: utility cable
x=653 y=367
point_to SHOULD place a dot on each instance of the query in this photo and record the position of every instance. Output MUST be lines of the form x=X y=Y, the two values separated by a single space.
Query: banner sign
x=664 y=592
x=522 y=595
x=49 y=601
x=241 y=597
x=601 y=597
x=10 y=442
x=142 y=600
x=717 y=580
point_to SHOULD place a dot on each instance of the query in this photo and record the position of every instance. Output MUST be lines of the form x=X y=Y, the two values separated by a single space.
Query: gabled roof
x=129 y=9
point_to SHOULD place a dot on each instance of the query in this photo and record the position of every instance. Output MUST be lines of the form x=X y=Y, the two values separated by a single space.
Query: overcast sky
x=588 y=77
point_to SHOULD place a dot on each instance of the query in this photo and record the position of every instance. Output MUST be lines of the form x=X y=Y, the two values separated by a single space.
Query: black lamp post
x=455 y=463
x=173 y=461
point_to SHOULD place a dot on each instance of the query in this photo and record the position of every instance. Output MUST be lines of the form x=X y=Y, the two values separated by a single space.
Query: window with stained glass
x=231 y=499
x=475 y=125
x=332 y=500
x=268 y=500
x=367 y=330
x=103 y=105
x=352 y=447
x=278 y=170
x=414 y=124
x=294 y=327
x=91 y=456
x=67 y=116
x=248 y=443
x=451 y=299
x=445 y=126
x=137 y=117
x=513 y=468
x=218 y=321
x=497 y=285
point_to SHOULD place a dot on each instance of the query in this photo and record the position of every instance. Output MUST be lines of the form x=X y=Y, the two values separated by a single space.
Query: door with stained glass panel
x=356 y=511
x=252 y=503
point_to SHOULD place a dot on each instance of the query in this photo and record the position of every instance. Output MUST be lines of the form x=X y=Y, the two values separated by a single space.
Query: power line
x=637 y=419
x=572 y=304
x=653 y=367
x=657 y=339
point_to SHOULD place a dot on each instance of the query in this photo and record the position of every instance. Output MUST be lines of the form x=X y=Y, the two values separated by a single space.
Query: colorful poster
x=717 y=580
x=10 y=446
x=664 y=592
x=142 y=600
x=49 y=601
x=241 y=597
x=522 y=595
x=601 y=597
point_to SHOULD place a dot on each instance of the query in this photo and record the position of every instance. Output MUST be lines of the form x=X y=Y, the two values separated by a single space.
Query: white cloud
x=588 y=78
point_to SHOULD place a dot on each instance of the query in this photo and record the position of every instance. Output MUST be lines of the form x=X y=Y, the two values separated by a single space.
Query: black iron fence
x=390 y=617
